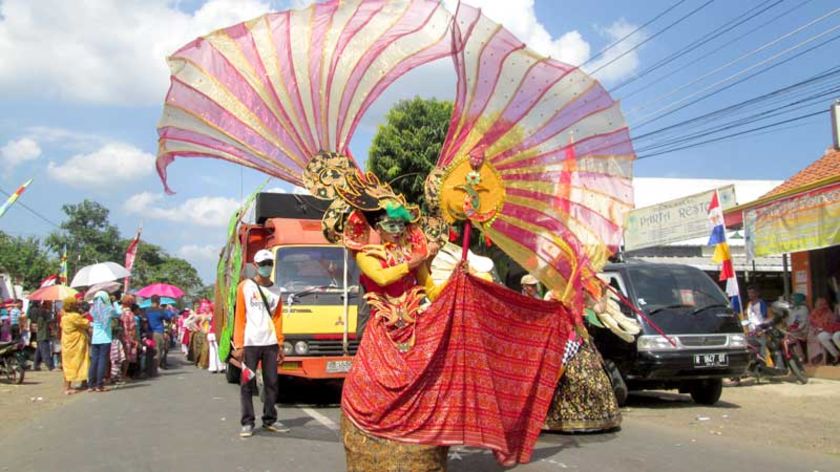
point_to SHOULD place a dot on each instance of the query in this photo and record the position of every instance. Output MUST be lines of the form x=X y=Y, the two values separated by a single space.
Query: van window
x=615 y=281
x=664 y=286
x=318 y=268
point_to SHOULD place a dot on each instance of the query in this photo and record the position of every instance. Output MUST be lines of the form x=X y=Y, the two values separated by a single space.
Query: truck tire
x=232 y=373
x=618 y=384
x=706 y=392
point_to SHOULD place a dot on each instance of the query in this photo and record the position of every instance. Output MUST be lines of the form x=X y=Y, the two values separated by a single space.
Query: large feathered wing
x=542 y=149
x=272 y=92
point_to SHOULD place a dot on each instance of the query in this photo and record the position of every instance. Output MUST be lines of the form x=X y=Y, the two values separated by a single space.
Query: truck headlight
x=737 y=340
x=301 y=348
x=287 y=348
x=650 y=342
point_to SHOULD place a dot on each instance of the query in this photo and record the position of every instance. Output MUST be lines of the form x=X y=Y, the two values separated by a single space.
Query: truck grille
x=703 y=340
x=330 y=347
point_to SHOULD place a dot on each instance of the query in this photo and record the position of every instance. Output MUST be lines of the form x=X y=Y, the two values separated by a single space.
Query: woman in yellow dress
x=74 y=345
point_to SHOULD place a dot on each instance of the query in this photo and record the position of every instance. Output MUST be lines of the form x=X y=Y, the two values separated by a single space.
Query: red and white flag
x=247 y=374
x=131 y=254
x=49 y=281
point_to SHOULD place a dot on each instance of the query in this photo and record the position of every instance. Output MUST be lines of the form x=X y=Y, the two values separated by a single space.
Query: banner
x=674 y=220
x=130 y=255
x=809 y=220
x=14 y=197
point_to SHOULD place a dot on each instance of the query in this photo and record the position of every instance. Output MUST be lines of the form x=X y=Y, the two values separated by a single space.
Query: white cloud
x=201 y=211
x=102 y=51
x=113 y=52
x=112 y=163
x=195 y=252
x=622 y=61
x=19 y=151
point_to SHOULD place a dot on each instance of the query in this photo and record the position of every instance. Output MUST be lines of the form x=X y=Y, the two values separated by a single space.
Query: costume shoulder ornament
x=538 y=156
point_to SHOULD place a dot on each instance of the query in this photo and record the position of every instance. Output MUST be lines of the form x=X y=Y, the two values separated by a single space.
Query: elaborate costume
x=537 y=158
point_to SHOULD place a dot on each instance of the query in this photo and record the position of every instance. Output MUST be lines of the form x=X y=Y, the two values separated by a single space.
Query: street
x=187 y=420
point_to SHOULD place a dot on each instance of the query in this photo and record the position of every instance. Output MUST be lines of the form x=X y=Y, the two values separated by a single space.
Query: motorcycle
x=784 y=349
x=12 y=361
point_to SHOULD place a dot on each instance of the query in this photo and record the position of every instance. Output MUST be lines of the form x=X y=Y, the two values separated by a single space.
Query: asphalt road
x=188 y=420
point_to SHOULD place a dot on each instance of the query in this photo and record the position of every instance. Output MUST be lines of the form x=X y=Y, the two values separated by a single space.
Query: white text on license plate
x=711 y=360
x=335 y=367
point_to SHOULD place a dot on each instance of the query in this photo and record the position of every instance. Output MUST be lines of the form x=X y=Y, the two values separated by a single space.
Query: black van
x=708 y=342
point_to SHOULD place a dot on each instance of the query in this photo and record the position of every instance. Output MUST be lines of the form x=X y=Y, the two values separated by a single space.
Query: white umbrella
x=109 y=287
x=99 y=273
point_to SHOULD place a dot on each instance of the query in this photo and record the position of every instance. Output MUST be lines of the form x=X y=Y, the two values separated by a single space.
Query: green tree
x=407 y=146
x=153 y=264
x=25 y=259
x=88 y=236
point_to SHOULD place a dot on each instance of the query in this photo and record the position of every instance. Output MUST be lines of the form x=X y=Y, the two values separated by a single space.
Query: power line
x=710 y=36
x=613 y=44
x=759 y=72
x=729 y=136
x=674 y=23
x=724 y=45
x=797 y=87
x=739 y=59
x=30 y=210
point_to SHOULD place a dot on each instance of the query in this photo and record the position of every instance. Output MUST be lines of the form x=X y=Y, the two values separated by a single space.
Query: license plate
x=711 y=360
x=336 y=367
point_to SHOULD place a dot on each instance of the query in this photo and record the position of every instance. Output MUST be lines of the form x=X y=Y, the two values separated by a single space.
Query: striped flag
x=63 y=272
x=14 y=197
x=722 y=255
x=131 y=254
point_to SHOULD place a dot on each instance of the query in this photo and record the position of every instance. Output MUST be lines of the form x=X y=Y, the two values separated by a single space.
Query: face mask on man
x=264 y=271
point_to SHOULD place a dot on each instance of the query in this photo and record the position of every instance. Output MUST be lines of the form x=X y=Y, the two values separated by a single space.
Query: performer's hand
x=433 y=248
x=280 y=355
x=416 y=260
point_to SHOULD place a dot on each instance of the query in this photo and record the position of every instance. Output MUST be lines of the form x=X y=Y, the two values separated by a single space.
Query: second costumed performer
x=537 y=158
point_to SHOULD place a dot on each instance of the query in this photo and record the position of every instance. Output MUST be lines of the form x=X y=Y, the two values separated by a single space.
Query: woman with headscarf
x=74 y=345
x=215 y=362
x=102 y=312
x=130 y=338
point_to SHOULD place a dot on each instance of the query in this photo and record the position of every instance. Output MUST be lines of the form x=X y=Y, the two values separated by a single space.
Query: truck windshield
x=314 y=269
x=669 y=287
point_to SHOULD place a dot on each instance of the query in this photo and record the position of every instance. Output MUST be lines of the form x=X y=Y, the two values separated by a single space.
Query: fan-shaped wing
x=556 y=142
x=272 y=92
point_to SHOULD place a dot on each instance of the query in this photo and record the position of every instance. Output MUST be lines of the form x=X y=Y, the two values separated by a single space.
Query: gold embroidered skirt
x=584 y=400
x=366 y=453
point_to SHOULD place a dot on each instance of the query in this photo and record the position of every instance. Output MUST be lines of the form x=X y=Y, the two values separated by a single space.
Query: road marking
x=321 y=418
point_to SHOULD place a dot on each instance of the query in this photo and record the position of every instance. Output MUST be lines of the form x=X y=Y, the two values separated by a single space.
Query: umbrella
x=163 y=301
x=161 y=290
x=53 y=293
x=98 y=273
x=109 y=287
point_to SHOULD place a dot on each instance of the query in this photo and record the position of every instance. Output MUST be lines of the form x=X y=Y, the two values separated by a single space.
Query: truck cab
x=701 y=342
x=318 y=283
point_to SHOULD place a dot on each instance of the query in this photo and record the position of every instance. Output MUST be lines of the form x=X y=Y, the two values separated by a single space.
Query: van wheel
x=618 y=384
x=232 y=373
x=706 y=392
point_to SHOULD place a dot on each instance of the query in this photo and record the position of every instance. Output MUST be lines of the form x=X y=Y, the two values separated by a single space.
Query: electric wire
x=645 y=25
x=722 y=46
x=732 y=135
x=30 y=210
x=739 y=59
x=665 y=111
x=708 y=37
x=651 y=37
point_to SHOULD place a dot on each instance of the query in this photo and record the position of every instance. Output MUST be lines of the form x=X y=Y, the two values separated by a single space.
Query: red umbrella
x=161 y=290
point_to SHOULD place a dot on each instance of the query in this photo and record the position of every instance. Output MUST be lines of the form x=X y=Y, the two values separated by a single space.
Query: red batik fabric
x=482 y=373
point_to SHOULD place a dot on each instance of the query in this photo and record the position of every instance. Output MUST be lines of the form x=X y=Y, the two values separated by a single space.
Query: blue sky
x=84 y=83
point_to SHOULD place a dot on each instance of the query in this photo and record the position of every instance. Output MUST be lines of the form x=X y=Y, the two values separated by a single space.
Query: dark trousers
x=44 y=354
x=99 y=356
x=267 y=355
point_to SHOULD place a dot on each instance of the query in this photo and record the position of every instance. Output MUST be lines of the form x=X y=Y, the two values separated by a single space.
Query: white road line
x=320 y=417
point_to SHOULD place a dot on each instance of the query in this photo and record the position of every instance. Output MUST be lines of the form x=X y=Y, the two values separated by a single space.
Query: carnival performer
x=215 y=364
x=537 y=158
x=74 y=345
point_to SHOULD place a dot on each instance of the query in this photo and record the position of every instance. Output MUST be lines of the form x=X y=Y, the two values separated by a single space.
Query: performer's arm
x=425 y=279
x=382 y=276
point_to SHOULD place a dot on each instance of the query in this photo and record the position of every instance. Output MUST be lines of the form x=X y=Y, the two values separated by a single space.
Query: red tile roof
x=823 y=168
